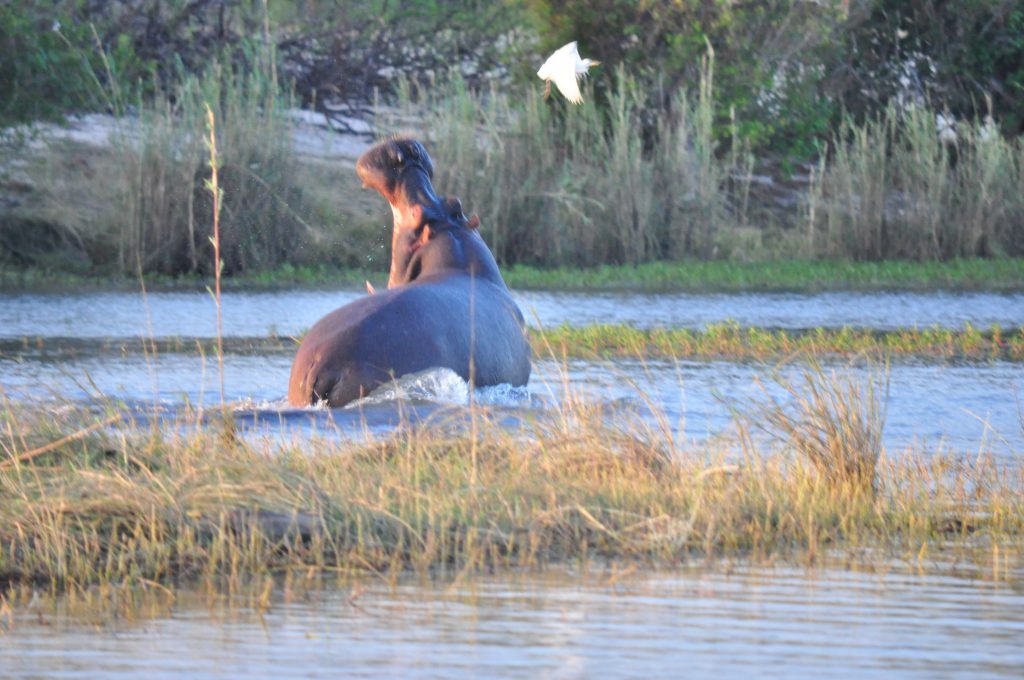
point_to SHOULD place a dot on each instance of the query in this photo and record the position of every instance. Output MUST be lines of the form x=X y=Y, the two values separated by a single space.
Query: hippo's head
x=430 y=233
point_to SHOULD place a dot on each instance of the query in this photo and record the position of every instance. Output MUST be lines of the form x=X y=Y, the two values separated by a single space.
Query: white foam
x=504 y=395
x=438 y=385
x=443 y=386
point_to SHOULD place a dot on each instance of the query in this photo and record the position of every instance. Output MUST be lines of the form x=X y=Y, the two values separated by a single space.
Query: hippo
x=446 y=304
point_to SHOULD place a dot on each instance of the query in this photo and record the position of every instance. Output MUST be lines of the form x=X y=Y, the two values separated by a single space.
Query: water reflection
x=691 y=623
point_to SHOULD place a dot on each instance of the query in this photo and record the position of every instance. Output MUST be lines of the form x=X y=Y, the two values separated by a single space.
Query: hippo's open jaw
x=385 y=167
x=401 y=170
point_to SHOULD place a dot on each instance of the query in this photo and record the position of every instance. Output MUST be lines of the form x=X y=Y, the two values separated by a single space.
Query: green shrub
x=49 y=64
x=965 y=56
x=768 y=57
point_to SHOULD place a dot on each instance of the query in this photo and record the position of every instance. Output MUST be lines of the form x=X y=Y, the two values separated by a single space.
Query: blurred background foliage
x=713 y=129
x=786 y=70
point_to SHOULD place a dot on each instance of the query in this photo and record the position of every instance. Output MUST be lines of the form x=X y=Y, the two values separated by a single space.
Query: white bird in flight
x=565 y=67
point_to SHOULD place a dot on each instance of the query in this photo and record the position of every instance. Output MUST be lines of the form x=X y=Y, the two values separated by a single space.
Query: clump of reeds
x=141 y=204
x=622 y=182
x=892 y=187
x=834 y=421
x=167 y=212
x=136 y=504
x=588 y=184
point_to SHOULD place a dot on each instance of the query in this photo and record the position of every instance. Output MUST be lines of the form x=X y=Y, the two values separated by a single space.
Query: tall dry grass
x=137 y=504
x=583 y=185
x=139 y=203
x=164 y=218
x=892 y=188
x=621 y=183
x=612 y=181
x=834 y=421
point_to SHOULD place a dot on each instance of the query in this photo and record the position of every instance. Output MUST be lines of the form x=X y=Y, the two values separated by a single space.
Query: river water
x=742 y=621
x=190 y=314
x=82 y=347
x=693 y=623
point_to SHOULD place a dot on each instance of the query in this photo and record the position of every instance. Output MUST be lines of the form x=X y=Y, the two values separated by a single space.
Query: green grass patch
x=779 y=275
x=731 y=341
x=1002 y=274
x=721 y=342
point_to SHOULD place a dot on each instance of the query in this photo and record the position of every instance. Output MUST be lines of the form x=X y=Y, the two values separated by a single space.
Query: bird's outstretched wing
x=561 y=69
x=568 y=85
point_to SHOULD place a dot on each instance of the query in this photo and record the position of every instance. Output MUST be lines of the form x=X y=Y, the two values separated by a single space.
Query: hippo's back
x=450 y=320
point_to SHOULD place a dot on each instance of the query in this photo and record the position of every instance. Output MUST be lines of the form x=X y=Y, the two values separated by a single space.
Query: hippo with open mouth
x=446 y=305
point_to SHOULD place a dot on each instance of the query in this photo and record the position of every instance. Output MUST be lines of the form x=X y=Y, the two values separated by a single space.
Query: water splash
x=443 y=386
x=439 y=385
x=504 y=395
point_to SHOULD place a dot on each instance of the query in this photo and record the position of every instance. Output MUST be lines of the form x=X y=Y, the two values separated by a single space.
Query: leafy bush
x=768 y=57
x=965 y=56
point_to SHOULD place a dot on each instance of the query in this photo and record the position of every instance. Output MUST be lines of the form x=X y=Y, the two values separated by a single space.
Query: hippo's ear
x=474 y=221
x=419 y=153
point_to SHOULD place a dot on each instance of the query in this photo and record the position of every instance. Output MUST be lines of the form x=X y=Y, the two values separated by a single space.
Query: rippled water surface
x=729 y=623
x=81 y=347
x=289 y=312
x=956 y=407
x=748 y=623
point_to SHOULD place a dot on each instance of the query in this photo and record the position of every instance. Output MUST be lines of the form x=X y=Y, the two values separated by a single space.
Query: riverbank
x=94 y=500
x=1002 y=274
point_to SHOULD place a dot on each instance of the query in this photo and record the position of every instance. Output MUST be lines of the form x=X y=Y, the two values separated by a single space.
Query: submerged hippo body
x=446 y=305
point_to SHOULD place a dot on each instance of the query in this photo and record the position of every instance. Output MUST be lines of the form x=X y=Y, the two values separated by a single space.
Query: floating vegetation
x=731 y=341
x=723 y=341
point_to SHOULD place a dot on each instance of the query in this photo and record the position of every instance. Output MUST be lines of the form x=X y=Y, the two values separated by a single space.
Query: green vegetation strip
x=725 y=341
x=731 y=341
x=779 y=275
x=693 y=276
x=87 y=502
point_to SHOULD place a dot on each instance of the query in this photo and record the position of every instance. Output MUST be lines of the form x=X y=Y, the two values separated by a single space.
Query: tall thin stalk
x=218 y=264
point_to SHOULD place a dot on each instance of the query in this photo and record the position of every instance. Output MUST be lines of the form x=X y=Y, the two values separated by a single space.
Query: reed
x=621 y=183
x=611 y=182
x=216 y=196
x=834 y=421
x=584 y=185
x=133 y=504
x=141 y=204
x=891 y=188
x=169 y=217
